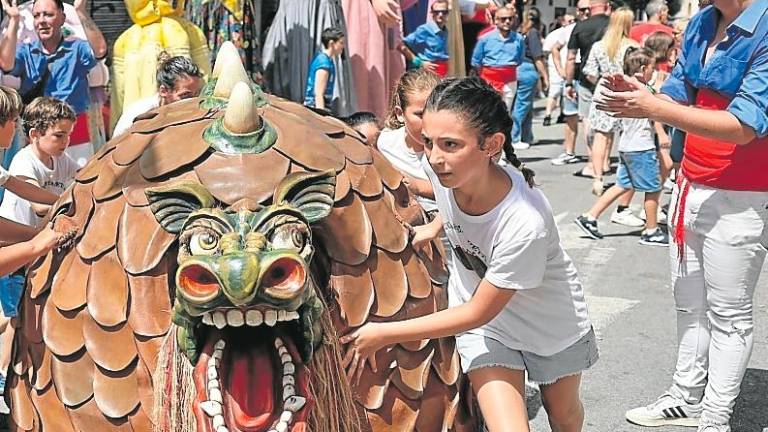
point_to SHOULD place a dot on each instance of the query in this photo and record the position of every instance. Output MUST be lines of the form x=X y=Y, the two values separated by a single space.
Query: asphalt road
x=631 y=305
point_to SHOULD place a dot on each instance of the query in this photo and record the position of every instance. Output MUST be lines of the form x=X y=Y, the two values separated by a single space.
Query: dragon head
x=247 y=311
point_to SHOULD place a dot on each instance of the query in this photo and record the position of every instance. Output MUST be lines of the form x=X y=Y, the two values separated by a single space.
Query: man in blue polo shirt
x=54 y=66
x=497 y=54
x=427 y=46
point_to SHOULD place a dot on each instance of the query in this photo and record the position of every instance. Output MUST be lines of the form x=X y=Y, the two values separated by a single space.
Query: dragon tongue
x=249 y=380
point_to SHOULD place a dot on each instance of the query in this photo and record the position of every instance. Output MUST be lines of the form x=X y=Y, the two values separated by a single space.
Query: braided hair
x=481 y=106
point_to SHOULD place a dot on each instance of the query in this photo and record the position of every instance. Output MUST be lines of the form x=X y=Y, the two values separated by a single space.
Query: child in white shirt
x=516 y=303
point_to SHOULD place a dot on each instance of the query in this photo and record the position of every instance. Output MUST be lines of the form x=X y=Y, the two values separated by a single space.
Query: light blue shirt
x=68 y=66
x=428 y=42
x=321 y=61
x=493 y=49
x=738 y=68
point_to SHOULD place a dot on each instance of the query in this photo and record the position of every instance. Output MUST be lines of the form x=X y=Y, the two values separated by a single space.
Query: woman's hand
x=388 y=11
x=626 y=97
x=363 y=344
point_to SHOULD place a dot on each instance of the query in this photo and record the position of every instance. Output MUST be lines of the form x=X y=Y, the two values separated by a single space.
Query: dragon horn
x=241 y=116
x=231 y=72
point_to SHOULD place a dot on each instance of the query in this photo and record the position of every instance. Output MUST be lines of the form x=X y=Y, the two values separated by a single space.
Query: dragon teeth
x=281 y=427
x=235 y=318
x=251 y=317
x=211 y=408
x=286 y=417
x=270 y=317
x=219 y=319
x=294 y=403
x=208 y=318
x=218 y=421
x=254 y=318
x=289 y=368
x=215 y=395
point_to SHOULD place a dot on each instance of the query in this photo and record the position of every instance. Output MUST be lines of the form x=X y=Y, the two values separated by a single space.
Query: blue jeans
x=11 y=288
x=522 y=111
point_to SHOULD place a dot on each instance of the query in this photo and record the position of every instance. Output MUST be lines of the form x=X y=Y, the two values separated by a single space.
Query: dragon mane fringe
x=174 y=389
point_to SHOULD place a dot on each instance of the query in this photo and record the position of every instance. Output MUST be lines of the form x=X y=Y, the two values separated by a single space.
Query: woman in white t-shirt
x=401 y=141
x=516 y=303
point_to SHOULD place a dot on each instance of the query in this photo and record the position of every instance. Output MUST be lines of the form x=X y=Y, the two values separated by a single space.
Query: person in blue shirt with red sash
x=497 y=54
x=718 y=94
x=427 y=46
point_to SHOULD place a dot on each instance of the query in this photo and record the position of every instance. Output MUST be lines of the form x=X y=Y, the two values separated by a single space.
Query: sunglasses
x=439 y=12
x=584 y=9
x=506 y=18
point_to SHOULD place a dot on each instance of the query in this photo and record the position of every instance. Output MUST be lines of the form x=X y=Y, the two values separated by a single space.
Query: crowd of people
x=679 y=106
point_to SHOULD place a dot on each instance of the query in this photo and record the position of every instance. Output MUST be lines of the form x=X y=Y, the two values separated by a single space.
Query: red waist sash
x=441 y=68
x=498 y=76
x=721 y=164
x=81 y=132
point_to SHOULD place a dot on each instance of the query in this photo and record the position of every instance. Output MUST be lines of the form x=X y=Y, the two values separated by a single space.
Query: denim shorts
x=639 y=171
x=478 y=351
x=11 y=288
x=570 y=106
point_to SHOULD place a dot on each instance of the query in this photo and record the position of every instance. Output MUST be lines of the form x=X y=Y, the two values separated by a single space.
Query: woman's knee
x=564 y=413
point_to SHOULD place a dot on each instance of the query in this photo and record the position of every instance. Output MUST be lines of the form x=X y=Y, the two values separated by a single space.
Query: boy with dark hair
x=322 y=72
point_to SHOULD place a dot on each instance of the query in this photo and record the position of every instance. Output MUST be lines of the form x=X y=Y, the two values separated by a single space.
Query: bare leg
x=602 y=203
x=501 y=395
x=551 y=105
x=571 y=131
x=563 y=404
x=607 y=157
x=651 y=206
x=600 y=146
x=626 y=199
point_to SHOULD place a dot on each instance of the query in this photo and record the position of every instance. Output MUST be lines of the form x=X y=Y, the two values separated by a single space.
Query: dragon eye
x=289 y=237
x=203 y=243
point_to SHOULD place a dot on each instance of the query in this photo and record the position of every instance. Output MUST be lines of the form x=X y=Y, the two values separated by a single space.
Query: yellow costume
x=158 y=26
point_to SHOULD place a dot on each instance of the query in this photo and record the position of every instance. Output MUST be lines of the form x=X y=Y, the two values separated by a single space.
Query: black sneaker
x=547 y=121
x=656 y=237
x=589 y=226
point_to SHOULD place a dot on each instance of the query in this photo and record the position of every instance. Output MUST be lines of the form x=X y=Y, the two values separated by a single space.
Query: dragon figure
x=222 y=245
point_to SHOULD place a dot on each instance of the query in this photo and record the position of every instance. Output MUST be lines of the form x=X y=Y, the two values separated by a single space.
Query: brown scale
x=94 y=316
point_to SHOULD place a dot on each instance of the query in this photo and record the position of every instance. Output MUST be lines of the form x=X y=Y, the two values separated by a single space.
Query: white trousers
x=508 y=93
x=726 y=233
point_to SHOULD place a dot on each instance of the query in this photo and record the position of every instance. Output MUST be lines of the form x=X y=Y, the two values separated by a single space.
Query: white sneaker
x=564 y=159
x=666 y=411
x=521 y=146
x=626 y=218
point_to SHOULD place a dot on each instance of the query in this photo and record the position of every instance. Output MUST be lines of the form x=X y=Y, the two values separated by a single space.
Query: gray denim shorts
x=585 y=101
x=479 y=351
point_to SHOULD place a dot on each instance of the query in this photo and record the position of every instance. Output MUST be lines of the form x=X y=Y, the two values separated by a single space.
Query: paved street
x=631 y=305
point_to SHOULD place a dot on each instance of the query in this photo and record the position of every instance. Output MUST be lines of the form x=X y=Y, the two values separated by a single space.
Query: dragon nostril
x=198 y=282
x=285 y=274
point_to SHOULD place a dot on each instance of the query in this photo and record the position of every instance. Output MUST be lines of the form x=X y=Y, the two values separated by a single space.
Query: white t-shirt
x=516 y=246
x=4 y=175
x=559 y=36
x=636 y=135
x=392 y=145
x=134 y=110
x=26 y=165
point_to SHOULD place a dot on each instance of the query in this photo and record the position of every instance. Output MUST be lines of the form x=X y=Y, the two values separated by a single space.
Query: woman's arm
x=14 y=232
x=484 y=305
x=18 y=255
x=29 y=191
x=634 y=100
